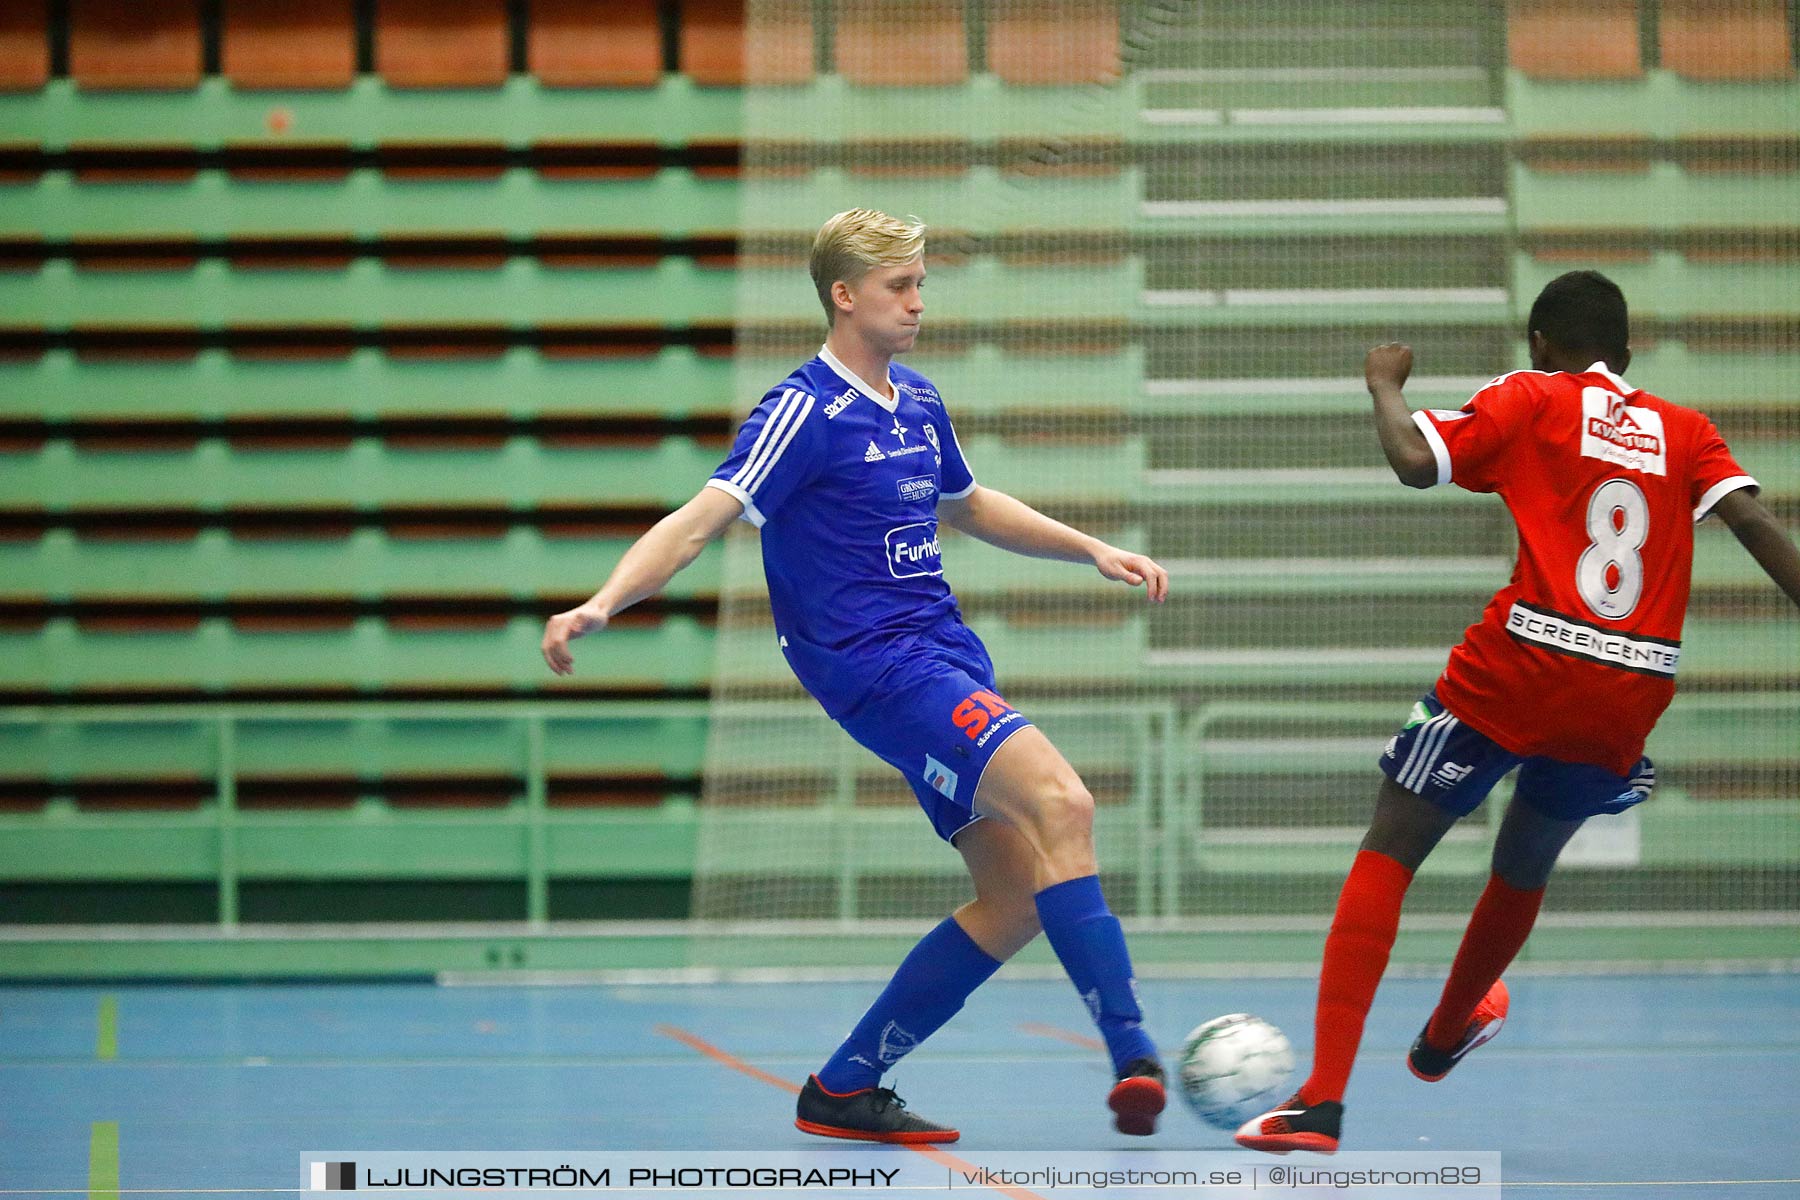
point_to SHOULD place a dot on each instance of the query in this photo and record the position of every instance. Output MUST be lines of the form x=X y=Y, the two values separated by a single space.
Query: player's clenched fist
x=1389 y=364
x=564 y=628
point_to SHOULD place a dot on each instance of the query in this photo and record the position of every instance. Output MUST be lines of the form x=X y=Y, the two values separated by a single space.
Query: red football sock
x=1501 y=922
x=1356 y=953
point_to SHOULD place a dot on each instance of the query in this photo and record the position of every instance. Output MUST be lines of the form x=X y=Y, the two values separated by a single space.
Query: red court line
x=695 y=1042
x=943 y=1158
x=1062 y=1035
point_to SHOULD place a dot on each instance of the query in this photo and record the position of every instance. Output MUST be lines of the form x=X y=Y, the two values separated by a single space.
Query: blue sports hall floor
x=1656 y=1086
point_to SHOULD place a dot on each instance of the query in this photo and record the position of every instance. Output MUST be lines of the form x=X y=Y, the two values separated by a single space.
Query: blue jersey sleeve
x=956 y=479
x=776 y=453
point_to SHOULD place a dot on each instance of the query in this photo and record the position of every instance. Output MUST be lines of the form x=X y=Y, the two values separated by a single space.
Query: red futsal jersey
x=1575 y=659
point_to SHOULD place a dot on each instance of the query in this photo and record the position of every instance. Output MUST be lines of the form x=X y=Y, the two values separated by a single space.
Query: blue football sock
x=927 y=990
x=1090 y=943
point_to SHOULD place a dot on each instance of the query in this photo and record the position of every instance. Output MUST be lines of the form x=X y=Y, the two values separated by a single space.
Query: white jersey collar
x=1600 y=368
x=850 y=377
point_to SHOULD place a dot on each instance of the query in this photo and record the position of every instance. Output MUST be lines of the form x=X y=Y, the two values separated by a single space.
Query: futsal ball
x=1234 y=1068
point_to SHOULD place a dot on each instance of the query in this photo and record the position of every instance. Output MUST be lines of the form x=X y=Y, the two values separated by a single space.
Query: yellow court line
x=106 y=1041
x=103 y=1161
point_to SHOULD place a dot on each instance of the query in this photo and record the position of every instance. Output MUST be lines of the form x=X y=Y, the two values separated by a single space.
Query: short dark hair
x=1582 y=312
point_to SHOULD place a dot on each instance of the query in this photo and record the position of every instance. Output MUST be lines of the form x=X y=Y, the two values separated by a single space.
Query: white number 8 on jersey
x=1610 y=573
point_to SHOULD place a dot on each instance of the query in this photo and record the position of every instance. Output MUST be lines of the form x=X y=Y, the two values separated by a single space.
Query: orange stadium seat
x=24 y=47
x=778 y=42
x=1574 y=39
x=1054 y=41
x=712 y=42
x=126 y=44
x=441 y=43
x=576 y=43
x=1727 y=40
x=289 y=43
x=722 y=46
x=915 y=45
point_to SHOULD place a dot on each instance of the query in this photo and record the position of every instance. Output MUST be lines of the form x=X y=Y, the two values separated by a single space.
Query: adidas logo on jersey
x=873 y=453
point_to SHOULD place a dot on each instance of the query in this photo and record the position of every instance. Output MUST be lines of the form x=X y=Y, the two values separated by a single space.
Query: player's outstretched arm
x=1762 y=535
x=1385 y=371
x=1011 y=524
x=669 y=545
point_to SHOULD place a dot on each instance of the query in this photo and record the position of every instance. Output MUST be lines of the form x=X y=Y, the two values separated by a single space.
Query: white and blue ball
x=1235 y=1067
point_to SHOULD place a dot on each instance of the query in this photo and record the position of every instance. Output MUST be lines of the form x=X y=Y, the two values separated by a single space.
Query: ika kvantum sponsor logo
x=1619 y=433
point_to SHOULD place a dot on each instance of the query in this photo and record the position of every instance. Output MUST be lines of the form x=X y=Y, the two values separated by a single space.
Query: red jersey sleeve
x=1470 y=443
x=1716 y=474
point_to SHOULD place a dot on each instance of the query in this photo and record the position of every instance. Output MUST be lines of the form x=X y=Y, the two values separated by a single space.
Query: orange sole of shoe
x=1418 y=1074
x=921 y=1137
x=1283 y=1143
x=1136 y=1103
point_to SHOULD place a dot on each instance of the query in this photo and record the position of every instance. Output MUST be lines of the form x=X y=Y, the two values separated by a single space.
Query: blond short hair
x=852 y=242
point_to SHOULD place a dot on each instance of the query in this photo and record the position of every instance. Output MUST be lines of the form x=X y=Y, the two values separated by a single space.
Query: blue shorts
x=1440 y=758
x=937 y=719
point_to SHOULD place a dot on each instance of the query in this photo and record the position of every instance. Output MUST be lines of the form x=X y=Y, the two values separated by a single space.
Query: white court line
x=1181 y=116
x=1135 y=927
x=1181 y=297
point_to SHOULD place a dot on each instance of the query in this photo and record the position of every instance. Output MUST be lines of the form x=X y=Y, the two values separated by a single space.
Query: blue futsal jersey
x=844 y=484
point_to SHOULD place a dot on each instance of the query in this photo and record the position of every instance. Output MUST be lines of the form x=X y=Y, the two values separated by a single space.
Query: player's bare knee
x=1067 y=809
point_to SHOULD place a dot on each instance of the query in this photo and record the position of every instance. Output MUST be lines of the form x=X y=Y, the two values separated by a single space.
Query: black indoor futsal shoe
x=1138 y=1097
x=1295 y=1126
x=871 y=1114
x=1431 y=1064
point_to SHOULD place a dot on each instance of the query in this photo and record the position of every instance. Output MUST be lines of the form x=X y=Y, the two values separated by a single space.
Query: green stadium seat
x=325 y=755
x=1665 y=198
x=369 y=564
x=119 y=45
x=441 y=43
x=674 y=291
x=285 y=44
x=368 y=475
x=673 y=382
x=371 y=656
x=1662 y=104
x=1687 y=286
x=368 y=203
x=1740 y=377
